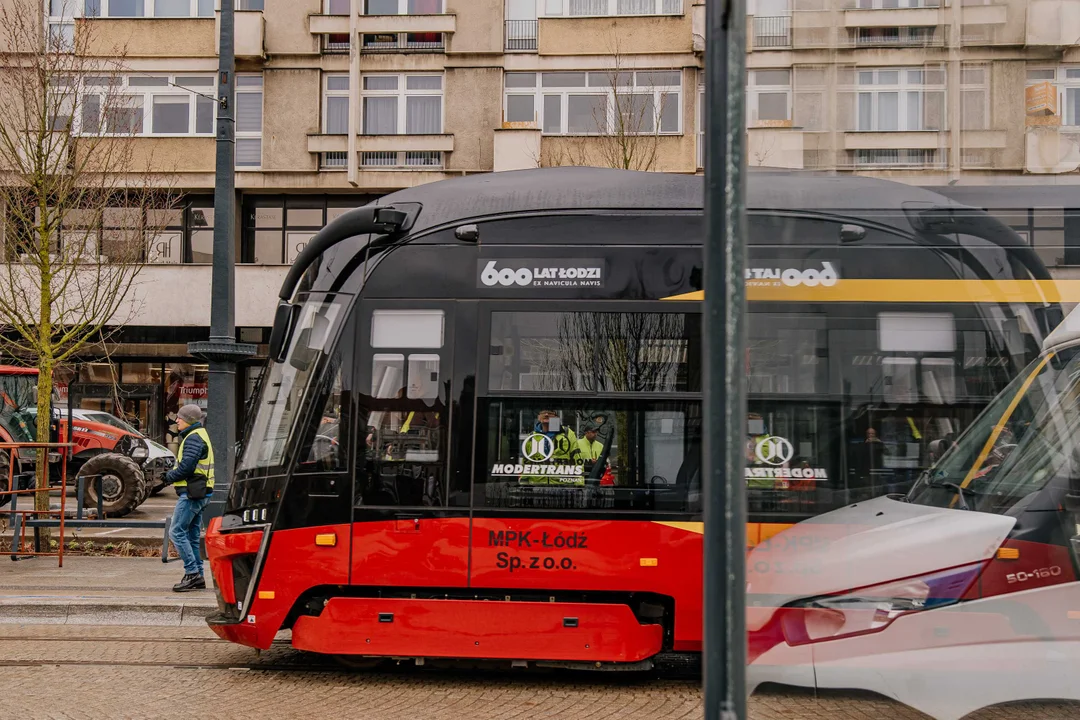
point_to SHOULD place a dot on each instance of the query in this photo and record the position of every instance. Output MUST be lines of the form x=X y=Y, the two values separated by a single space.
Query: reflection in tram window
x=605 y=351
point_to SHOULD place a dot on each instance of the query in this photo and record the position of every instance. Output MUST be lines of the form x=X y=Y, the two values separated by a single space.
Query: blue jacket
x=194 y=451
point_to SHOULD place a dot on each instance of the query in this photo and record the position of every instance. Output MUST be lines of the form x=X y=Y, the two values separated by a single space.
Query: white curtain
x=337 y=115
x=423 y=115
x=588 y=7
x=636 y=7
x=380 y=115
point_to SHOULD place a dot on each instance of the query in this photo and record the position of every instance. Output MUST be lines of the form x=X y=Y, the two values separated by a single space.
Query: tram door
x=405 y=531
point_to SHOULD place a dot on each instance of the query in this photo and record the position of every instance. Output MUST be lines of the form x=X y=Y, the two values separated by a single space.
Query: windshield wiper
x=959 y=490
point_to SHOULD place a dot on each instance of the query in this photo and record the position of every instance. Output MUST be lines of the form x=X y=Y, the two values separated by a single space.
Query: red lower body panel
x=478 y=629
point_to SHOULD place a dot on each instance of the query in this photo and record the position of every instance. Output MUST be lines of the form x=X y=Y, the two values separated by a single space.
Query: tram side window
x=563 y=454
x=603 y=351
x=404 y=445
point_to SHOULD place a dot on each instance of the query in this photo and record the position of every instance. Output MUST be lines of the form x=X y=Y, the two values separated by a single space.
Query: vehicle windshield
x=278 y=407
x=107 y=419
x=1026 y=438
x=18 y=400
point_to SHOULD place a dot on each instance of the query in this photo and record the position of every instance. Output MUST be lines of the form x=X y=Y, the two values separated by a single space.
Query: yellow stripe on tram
x=907 y=291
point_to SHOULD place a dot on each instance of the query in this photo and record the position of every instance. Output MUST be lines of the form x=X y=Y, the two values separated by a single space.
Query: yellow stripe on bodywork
x=898 y=291
x=755 y=532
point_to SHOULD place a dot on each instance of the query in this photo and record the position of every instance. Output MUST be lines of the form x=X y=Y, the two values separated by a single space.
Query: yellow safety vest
x=590 y=451
x=205 y=466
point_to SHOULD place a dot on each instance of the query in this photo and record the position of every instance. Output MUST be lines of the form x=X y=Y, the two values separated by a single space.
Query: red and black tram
x=480 y=433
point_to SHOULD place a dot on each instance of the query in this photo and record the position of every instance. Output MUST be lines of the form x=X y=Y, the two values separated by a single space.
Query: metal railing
x=772 y=32
x=25 y=483
x=521 y=35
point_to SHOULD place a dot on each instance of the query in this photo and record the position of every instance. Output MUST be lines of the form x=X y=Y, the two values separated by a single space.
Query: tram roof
x=587 y=188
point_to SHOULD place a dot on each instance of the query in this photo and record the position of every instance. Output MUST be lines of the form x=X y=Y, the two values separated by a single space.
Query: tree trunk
x=44 y=417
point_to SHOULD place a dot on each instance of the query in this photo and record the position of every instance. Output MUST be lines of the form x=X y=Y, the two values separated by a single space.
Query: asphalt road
x=87 y=672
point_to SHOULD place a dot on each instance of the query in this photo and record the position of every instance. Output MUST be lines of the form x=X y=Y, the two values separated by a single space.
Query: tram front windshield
x=283 y=390
x=1027 y=441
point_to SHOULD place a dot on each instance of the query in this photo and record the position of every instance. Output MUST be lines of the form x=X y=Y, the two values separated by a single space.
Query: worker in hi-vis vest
x=193 y=479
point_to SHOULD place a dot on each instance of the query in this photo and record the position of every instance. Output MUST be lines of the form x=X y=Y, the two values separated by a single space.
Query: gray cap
x=190 y=414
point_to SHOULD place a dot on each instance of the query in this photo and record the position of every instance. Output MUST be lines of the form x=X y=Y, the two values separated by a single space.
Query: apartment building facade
x=341 y=101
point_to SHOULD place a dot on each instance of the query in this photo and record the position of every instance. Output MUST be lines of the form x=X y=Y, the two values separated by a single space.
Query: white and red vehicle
x=961 y=594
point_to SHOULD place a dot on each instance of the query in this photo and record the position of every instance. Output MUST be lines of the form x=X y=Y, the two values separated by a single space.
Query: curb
x=84 y=610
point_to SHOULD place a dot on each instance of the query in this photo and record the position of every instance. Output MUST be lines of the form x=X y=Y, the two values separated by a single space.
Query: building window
x=333 y=160
x=768 y=98
x=249 y=116
x=894 y=36
x=644 y=102
x=336 y=105
x=161 y=105
x=974 y=97
x=901 y=99
x=1054 y=92
x=402 y=104
x=337 y=7
x=403 y=7
x=276 y=229
x=585 y=8
x=336 y=44
x=70 y=9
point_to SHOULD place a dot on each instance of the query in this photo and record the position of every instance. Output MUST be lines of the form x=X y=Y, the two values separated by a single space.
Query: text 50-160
x=512 y=563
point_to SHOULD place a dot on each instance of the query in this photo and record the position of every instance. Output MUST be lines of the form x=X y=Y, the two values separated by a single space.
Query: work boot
x=190 y=582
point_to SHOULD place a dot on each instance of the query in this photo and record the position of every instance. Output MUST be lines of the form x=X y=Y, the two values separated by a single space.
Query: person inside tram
x=565 y=449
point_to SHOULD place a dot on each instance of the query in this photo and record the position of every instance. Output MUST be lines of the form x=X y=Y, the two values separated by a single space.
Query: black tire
x=4 y=463
x=123 y=485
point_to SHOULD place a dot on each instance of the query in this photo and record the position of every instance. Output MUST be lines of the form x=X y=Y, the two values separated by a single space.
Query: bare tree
x=80 y=201
x=624 y=122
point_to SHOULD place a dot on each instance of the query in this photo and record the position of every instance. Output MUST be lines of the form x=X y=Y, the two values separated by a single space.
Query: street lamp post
x=724 y=656
x=221 y=351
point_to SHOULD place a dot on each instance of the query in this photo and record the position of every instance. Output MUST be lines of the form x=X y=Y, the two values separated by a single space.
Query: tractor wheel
x=5 y=462
x=122 y=484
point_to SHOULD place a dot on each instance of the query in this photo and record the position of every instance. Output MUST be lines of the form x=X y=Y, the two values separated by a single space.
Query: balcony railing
x=403 y=42
x=772 y=32
x=521 y=35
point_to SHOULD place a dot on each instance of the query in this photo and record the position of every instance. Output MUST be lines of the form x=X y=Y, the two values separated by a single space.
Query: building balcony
x=770 y=32
x=319 y=143
x=997 y=14
x=153 y=305
x=896 y=17
x=1053 y=23
x=389 y=33
x=985 y=139
x=249 y=33
x=1051 y=150
x=905 y=140
x=520 y=36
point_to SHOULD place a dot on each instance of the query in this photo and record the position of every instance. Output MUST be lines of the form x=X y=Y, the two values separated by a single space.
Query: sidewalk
x=100 y=591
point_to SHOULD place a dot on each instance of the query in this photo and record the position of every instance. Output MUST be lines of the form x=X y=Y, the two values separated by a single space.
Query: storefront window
x=184 y=384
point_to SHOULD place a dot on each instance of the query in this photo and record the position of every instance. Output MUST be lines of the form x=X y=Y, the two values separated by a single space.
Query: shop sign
x=537 y=450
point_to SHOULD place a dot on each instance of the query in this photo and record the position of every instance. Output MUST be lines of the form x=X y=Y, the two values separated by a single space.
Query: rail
x=521 y=35
x=772 y=32
x=15 y=488
x=22 y=520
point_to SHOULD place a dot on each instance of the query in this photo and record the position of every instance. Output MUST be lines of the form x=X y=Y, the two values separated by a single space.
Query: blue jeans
x=186 y=530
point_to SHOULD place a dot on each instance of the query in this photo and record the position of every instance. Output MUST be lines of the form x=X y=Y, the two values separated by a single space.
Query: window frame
x=250 y=89
x=146 y=94
x=754 y=91
x=561 y=8
x=403 y=9
x=327 y=94
x=1062 y=83
x=982 y=87
x=402 y=93
x=902 y=88
x=539 y=93
x=78 y=10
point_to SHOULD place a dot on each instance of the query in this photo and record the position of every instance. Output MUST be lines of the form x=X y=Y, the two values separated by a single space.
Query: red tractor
x=131 y=467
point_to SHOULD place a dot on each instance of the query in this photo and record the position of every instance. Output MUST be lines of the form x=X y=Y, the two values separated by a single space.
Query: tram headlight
x=874 y=608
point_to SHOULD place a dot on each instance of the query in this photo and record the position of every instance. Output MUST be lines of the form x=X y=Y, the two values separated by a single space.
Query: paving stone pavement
x=87 y=673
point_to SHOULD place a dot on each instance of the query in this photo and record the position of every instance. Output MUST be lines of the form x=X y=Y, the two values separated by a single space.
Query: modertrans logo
x=526 y=273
